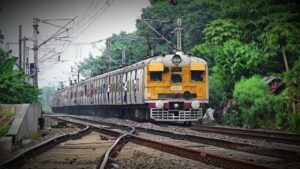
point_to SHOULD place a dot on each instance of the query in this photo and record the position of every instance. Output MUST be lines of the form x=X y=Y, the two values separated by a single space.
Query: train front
x=176 y=87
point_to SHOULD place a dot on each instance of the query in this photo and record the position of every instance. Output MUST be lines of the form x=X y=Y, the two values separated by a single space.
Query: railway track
x=198 y=155
x=129 y=136
x=245 y=147
x=286 y=138
x=18 y=159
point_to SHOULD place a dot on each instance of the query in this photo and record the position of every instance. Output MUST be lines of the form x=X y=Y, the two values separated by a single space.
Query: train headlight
x=159 y=104
x=176 y=105
x=195 y=104
x=176 y=60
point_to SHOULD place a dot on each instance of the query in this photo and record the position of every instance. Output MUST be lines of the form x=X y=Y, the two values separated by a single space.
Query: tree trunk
x=285 y=58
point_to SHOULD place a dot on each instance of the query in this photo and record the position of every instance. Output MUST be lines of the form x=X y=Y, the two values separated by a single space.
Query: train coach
x=162 y=88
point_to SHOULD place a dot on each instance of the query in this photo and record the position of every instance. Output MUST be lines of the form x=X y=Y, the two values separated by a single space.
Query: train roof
x=186 y=59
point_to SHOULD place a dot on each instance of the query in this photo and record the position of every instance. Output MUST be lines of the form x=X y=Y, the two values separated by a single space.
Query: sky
x=95 y=20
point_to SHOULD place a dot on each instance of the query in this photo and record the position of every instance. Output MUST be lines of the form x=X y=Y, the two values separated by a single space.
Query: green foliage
x=294 y=122
x=233 y=118
x=235 y=60
x=217 y=93
x=281 y=120
x=195 y=14
x=292 y=80
x=252 y=97
x=13 y=89
x=221 y=30
x=258 y=107
x=206 y=51
x=4 y=129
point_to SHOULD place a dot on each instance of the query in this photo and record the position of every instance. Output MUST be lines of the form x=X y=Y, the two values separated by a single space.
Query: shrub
x=294 y=122
x=252 y=97
x=258 y=107
x=4 y=129
x=216 y=91
x=13 y=89
x=233 y=118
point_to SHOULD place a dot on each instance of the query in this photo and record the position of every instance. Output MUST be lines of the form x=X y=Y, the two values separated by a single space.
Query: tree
x=235 y=60
x=13 y=89
x=292 y=80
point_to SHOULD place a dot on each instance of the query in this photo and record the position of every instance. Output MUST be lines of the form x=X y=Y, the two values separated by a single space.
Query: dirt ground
x=81 y=153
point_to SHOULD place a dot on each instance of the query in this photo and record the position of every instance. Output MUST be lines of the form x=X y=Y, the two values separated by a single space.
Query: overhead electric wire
x=92 y=20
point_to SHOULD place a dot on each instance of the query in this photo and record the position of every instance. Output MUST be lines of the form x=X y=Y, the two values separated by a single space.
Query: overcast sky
x=96 y=20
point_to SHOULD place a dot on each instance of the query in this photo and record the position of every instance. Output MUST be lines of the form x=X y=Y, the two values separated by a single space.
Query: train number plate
x=176 y=88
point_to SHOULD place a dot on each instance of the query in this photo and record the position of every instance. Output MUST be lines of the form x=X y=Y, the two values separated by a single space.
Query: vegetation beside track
x=13 y=89
x=5 y=124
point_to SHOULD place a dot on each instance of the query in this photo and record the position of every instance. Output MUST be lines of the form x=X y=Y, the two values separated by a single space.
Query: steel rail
x=202 y=156
x=245 y=133
x=44 y=146
x=245 y=147
x=119 y=142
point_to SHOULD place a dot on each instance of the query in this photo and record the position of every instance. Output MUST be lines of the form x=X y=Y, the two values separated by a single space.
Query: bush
x=292 y=80
x=4 y=129
x=233 y=118
x=294 y=122
x=258 y=107
x=13 y=89
x=252 y=97
x=217 y=93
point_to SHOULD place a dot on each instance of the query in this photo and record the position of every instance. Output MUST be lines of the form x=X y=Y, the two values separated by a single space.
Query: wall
x=25 y=122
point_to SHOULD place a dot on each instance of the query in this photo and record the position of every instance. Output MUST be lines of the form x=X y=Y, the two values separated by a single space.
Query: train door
x=101 y=90
x=135 y=86
x=119 y=89
x=139 y=86
x=129 y=87
x=98 y=90
x=124 y=88
x=132 y=93
x=114 y=89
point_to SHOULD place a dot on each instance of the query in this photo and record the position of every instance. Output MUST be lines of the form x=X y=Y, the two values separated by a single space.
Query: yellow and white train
x=162 y=88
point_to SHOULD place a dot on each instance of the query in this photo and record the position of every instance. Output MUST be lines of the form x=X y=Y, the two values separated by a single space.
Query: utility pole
x=36 y=46
x=20 y=47
x=24 y=54
x=35 y=49
x=178 y=30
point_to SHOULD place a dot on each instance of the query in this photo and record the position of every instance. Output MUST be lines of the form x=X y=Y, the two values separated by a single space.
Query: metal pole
x=179 y=35
x=20 y=47
x=35 y=49
x=24 y=54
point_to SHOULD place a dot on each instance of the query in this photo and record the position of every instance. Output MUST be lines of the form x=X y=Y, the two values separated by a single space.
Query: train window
x=176 y=78
x=156 y=76
x=196 y=75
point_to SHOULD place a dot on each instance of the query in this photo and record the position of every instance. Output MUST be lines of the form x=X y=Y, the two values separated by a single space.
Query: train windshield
x=176 y=78
x=196 y=76
x=156 y=76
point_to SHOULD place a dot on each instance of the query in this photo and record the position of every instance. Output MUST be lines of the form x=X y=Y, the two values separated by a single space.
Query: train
x=164 y=88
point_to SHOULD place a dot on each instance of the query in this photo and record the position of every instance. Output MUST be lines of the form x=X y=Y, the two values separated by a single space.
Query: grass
x=9 y=114
x=4 y=129
x=4 y=122
x=35 y=136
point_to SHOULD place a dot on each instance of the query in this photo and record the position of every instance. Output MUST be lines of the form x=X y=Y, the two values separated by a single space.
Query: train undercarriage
x=137 y=112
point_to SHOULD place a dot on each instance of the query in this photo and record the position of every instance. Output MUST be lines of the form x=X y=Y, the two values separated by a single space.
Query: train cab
x=176 y=87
